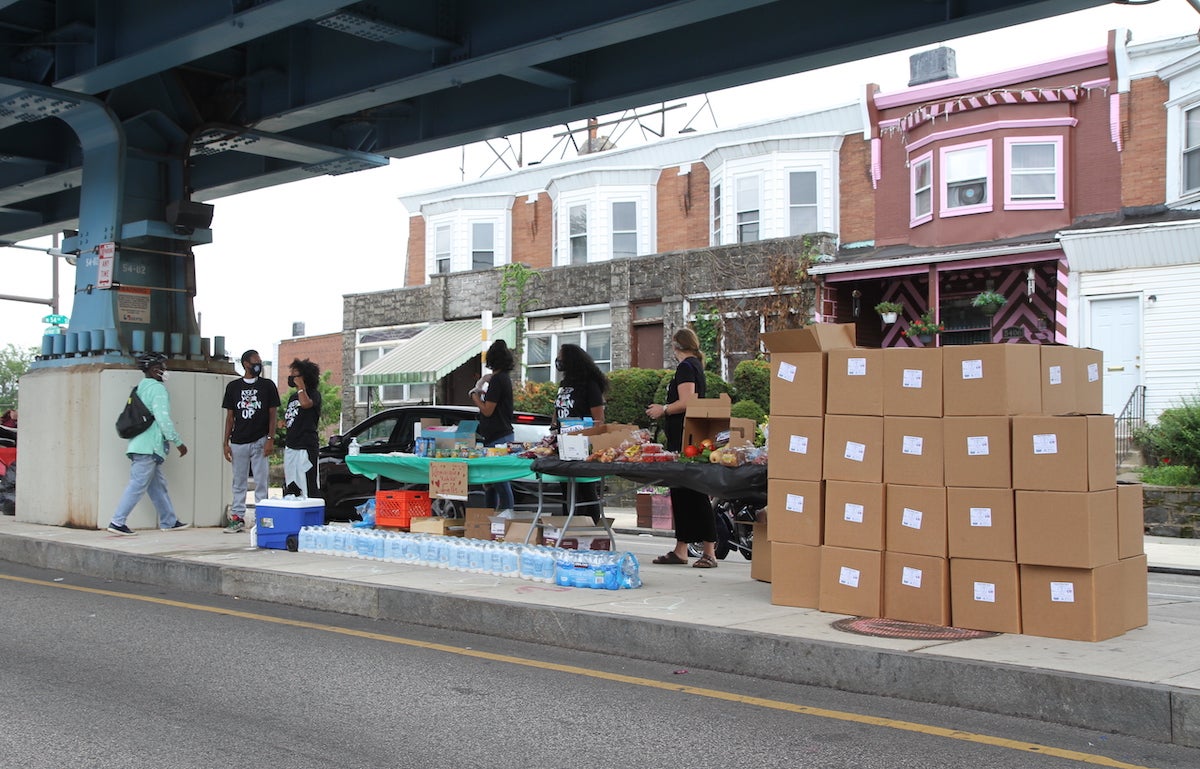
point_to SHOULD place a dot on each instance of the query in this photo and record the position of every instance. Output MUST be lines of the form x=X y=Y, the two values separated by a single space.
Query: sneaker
x=235 y=525
x=122 y=529
x=179 y=525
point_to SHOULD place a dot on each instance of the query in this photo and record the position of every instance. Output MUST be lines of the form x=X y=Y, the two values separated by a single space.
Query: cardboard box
x=854 y=515
x=991 y=379
x=1131 y=522
x=916 y=588
x=794 y=509
x=432 y=524
x=795 y=574
x=981 y=524
x=798 y=366
x=760 y=565
x=913 y=451
x=607 y=435
x=706 y=418
x=523 y=532
x=580 y=536
x=912 y=381
x=449 y=436
x=851 y=581
x=1064 y=453
x=978 y=451
x=853 y=448
x=1071 y=380
x=477 y=523
x=1076 y=529
x=573 y=447
x=498 y=527
x=985 y=595
x=916 y=520
x=854 y=382
x=1075 y=604
x=1134 y=591
x=796 y=446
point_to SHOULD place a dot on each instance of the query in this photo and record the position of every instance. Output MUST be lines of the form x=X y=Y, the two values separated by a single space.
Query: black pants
x=693 y=514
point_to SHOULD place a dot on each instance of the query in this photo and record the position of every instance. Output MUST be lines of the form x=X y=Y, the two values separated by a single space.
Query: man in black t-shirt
x=250 y=405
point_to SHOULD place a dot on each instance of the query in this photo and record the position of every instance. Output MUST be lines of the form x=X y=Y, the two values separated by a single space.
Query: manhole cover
x=892 y=628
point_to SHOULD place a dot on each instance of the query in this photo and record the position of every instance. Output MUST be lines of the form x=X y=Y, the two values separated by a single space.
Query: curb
x=1148 y=711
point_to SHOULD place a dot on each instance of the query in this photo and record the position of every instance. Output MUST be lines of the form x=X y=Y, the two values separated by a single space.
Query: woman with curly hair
x=581 y=394
x=300 y=417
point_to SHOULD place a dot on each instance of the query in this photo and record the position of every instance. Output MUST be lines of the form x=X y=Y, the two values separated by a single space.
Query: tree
x=14 y=362
x=516 y=280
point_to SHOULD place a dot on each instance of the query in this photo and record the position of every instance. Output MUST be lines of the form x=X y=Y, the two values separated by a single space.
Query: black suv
x=395 y=429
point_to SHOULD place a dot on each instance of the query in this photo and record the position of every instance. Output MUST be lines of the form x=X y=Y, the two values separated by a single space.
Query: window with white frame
x=591 y=329
x=1034 y=169
x=748 y=209
x=624 y=229
x=372 y=345
x=1191 y=151
x=802 y=203
x=716 y=214
x=443 y=248
x=578 y=221
x=966 y=177
x=483 y=245
x=921 y=176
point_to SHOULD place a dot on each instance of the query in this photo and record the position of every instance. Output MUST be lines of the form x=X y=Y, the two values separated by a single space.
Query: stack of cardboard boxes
x=972 y=486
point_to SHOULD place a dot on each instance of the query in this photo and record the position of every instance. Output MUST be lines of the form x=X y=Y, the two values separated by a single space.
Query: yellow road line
x=716 y=694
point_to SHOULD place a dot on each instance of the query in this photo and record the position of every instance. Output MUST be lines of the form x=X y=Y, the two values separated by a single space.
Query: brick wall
x=683 y=214
x=324 y=350
x=533 y=231
x=415 y=272
x=1144 y=160
x=856 y=195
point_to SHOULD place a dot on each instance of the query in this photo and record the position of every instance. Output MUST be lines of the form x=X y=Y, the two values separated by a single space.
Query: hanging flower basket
x=989 y=302
x=889 y=317
x=923 y=329
x=889 y=311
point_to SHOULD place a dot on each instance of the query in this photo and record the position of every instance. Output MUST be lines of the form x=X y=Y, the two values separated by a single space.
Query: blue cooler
x=279 y=521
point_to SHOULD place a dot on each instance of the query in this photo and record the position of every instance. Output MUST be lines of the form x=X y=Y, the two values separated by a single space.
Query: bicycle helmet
x=148 y=359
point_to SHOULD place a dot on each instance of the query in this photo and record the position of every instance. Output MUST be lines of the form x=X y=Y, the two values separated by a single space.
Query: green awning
x=434 y=353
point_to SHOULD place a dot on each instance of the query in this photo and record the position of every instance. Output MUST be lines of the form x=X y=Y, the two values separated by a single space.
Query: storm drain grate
x=892 y=628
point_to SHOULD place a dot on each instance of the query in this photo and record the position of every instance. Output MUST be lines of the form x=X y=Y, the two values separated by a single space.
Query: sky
x=287 y=254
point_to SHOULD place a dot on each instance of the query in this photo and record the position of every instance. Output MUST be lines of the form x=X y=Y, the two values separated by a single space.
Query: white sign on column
x=104 y=269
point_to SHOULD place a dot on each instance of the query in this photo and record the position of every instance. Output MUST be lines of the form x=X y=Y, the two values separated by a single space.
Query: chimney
x=931 y=66
x=297 y=329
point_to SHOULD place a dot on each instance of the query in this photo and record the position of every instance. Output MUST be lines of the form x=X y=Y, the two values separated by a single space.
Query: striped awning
x=434 y=353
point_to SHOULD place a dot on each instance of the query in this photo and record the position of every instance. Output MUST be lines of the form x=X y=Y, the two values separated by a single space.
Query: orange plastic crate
x=398 y=508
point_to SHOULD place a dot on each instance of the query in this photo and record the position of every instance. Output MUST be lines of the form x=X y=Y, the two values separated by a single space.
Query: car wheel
x=447 y=508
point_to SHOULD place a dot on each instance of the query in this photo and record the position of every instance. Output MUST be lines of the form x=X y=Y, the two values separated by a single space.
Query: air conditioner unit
x=967 y=193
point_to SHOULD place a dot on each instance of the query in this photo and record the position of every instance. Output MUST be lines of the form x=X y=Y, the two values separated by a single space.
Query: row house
x=1067 y=186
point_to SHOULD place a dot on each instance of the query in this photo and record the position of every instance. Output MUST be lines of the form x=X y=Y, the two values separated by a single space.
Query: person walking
x=301 y=417
x=580 y=394
x=493 y=396
x=250 y=404
x=691 y=509
x=148 y=450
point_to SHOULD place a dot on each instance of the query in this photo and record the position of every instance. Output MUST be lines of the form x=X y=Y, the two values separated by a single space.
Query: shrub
x=1170 y=475
x=535 y=397
x=748 y=410
x=631 y=391
x=752 y=382
x=1175 y=438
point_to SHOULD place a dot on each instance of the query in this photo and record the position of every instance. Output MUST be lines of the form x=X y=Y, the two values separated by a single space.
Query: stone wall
x=1171 y=511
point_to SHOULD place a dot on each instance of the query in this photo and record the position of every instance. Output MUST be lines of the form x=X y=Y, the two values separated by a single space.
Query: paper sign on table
x=448 y=480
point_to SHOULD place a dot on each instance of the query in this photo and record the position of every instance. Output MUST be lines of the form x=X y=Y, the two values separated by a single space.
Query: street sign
x=58 y=320
x=52 y=330
x=104 y=268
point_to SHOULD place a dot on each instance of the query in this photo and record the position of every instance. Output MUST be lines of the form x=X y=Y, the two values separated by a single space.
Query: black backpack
x=135 y=419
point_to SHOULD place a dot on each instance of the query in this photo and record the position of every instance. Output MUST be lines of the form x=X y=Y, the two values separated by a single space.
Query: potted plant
x=923 y=328
x=889 y=311
x=989 y=302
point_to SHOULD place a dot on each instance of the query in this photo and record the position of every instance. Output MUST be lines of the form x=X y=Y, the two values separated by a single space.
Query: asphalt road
x=99 y=674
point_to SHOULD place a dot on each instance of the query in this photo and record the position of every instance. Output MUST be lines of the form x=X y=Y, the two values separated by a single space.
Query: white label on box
x=972 y=369
x=981 y=516
x=856 y=367
x=985 y=591
x=848 y=577
x=787 y=371
x=853 y=513
x=913 y=444
x=1056 y=375
x=977 y=446
x=1093 y=372
x=855 y=452
x=795 y=503
x=1062 y=592
x=911 y=518
x=913 y=378
x=798 y=444
x=497 y=528
x=911 y=577
x=1046 y=443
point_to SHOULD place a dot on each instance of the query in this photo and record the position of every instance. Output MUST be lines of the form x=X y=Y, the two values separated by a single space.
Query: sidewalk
x=1144 y=683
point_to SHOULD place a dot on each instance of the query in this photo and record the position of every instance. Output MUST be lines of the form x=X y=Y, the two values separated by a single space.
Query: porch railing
x=1131 y=417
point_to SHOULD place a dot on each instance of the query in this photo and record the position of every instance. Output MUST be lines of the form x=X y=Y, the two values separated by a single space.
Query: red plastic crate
x=398 y=508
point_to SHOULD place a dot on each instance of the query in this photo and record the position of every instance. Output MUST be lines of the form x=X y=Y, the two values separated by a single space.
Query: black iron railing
x=1130 y=419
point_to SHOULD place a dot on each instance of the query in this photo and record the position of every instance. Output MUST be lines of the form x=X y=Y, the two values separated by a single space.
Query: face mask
x=291 y=381
x=164 y=376
x=558 y=364
x=256 y=369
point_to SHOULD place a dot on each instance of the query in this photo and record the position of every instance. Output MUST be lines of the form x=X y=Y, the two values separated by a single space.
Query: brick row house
x=1023 y=182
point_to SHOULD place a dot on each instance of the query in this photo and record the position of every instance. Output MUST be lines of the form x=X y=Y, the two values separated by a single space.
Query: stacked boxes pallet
x=972 y=486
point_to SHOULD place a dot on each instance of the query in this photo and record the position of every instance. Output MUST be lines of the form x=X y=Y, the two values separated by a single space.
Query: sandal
x=705 y=562
x=670 y=558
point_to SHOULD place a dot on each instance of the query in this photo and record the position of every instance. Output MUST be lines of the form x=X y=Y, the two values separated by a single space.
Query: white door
x=1116 y=330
